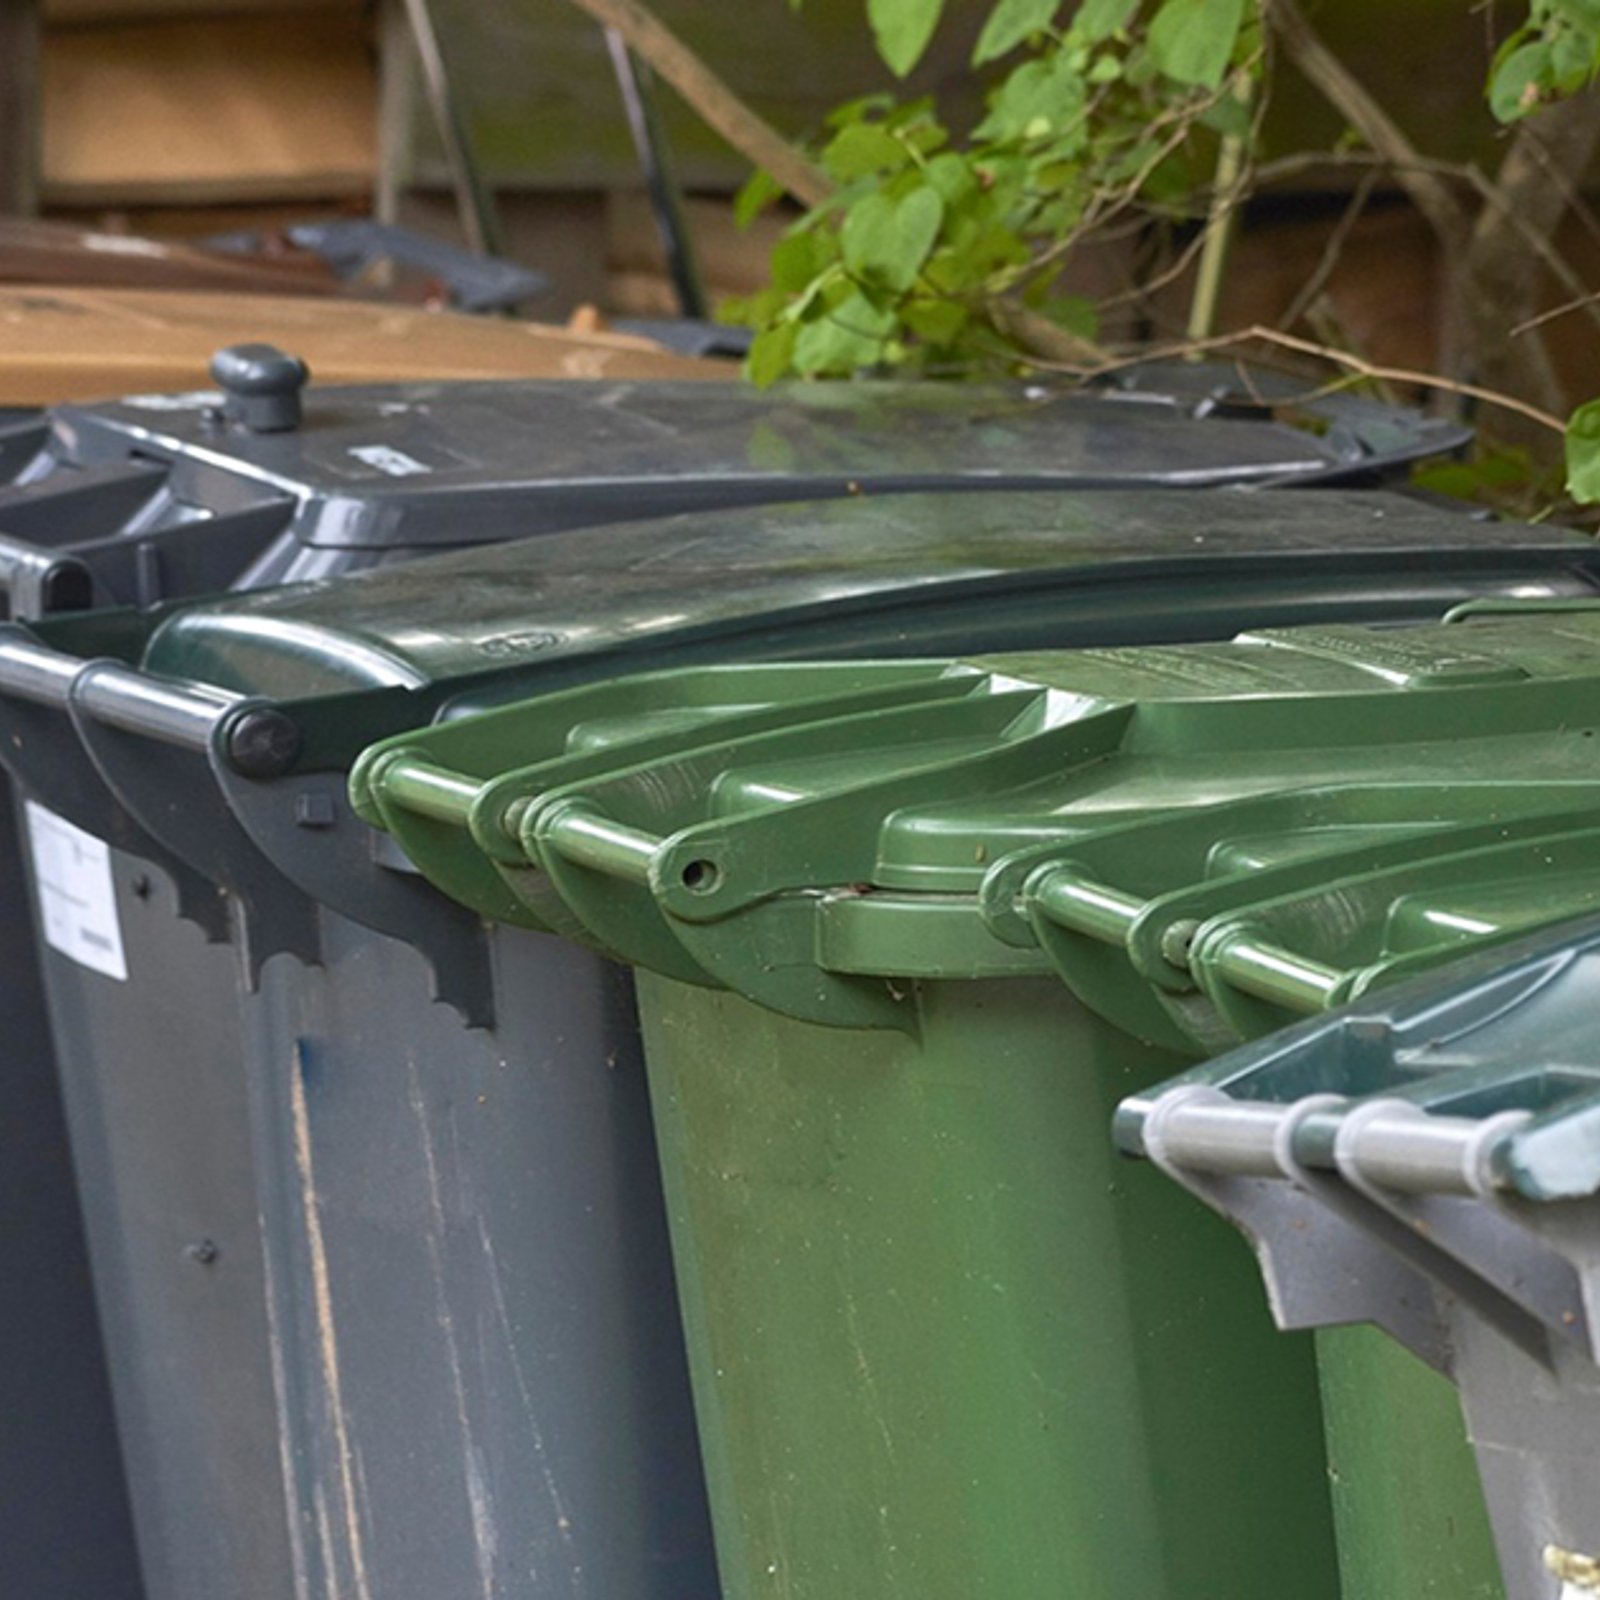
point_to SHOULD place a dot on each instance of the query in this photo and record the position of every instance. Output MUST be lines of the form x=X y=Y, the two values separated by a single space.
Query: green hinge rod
x=1255 y=966
x=428 y=790
x=577 y=832
x=583 y=835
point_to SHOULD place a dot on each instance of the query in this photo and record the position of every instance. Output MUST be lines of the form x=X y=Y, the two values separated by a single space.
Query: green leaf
x=1570 y=61
x=760 y=190
x=1099 y=19
x=1192 y=40
x=903 y=29
x=1074 y=313
x=771 y=354
x=1583 y=454
x=953 y=177
x=1515 y=88
x=1583 y=15
x=863 y=150
x=797 y=258
x=886 y=241
x=752 y=311
x=937 y=321
x=1039 y=98
x=1010 y=23
x=850 y=336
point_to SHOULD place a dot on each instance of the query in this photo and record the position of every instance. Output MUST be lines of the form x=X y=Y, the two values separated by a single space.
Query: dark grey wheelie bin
x=140 y=501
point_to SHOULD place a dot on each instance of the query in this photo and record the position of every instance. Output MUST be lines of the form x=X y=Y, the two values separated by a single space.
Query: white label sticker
x=77 y=899
x=387 y=459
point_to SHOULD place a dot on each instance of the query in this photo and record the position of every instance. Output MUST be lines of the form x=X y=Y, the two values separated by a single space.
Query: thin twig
x=1170 y=273
x=1359 y=367
x=1332 y=251
x=1110 y=205
x=1291 y=166
x=1584 y=302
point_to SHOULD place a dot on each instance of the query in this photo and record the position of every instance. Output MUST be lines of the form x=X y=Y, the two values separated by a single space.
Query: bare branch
x=1501 y=281
x=1589 y=302
x=1304 y=47
x=749 y=133
x=1333 y=250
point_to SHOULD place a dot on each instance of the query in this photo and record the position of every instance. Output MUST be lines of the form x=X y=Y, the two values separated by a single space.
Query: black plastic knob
x=263 y=743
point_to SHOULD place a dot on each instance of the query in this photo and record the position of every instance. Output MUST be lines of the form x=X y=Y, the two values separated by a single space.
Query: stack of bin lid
x=1204 y=841
x=154 y=492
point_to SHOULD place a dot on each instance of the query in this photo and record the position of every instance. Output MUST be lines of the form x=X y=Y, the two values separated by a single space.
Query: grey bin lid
x=896 y=575
x=1428 y=1160
x=1510 y=1030
x=175 y=494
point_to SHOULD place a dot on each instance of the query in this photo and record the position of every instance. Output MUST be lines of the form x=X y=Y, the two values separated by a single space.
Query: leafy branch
x=928 y=249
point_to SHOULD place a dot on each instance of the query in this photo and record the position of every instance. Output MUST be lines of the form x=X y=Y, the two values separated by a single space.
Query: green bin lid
x=1204 y=841
x=898 y=573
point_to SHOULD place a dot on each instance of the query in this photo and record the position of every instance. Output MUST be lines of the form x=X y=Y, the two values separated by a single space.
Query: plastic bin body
x=64 y=1516
x=943 y=1342
x=1201 y=842
x=1407 y=1502
x=470 y=1279
x=881 y=574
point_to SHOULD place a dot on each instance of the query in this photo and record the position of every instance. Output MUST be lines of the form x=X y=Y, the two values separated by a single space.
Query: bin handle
x=414 y=784
x=171 y=711
x=34 y=672
x=259 y=739
x=577 y=831
x=1386 y=1141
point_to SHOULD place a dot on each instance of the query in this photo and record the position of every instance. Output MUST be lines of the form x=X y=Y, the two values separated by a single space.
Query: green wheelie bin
x=942 y=1342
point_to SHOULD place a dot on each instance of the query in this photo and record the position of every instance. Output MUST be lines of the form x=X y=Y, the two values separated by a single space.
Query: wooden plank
x=19 y=107
x=73 y=344
x=238 y=108
x=74 y=12
x=53 y=253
